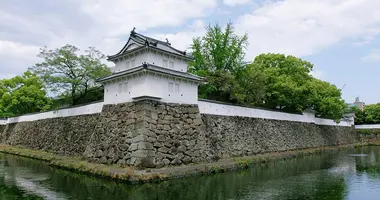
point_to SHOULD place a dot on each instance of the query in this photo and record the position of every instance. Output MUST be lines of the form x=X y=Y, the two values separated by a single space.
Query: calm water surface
x=347 y=174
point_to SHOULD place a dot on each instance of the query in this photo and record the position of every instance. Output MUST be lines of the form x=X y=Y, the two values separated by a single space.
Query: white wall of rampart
x=82 y=110
x=368 y=126
x=212 y=108
x=205 y=107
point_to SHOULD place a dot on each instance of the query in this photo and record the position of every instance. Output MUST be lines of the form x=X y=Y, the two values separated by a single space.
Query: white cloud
x=101 y=23
x=295 y=27
x=16 y=58
x=373 y=56
x=302 y=28
x=182 y=40
x=10 y=48
x=235 y=2
x=120 y=15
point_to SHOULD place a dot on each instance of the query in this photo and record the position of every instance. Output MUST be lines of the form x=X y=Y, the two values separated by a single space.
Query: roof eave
x=105 y=79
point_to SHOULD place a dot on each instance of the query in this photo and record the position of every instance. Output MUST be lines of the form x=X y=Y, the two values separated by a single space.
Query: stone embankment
x=155 y=134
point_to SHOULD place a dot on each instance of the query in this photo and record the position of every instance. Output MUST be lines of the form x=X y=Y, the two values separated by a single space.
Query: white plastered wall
x=158 y=86
x=368 y=126
x=152 y=85
x=82 y=110
x=229 y=110
x=157 y=58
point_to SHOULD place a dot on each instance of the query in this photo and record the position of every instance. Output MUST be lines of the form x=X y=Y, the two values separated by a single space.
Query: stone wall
x=153 y=134
x=64 y=135
x=368 y=135
x=148 y=133
x=243 y=136
x=2 y=127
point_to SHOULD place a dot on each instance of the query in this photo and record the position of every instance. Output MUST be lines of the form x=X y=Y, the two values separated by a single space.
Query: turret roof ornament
x=133 y=31
x=167 y=41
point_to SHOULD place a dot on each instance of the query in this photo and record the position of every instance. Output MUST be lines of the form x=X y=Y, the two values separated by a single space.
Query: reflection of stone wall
x=65 y=136
x=153 y=134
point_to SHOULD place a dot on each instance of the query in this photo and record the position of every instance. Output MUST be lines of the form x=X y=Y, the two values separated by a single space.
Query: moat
x=346 y=174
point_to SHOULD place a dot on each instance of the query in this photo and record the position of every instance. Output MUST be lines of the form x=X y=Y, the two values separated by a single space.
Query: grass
x=77 y=164
x=132 y=175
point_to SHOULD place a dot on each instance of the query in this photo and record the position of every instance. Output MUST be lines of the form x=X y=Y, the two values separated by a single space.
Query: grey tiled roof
x=145 y=41
x=153 y=68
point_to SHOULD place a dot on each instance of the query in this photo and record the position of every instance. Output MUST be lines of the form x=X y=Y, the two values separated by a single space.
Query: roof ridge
x=150 y=38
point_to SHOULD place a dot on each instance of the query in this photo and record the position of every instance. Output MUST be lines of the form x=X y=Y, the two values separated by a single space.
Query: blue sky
x=341 y=37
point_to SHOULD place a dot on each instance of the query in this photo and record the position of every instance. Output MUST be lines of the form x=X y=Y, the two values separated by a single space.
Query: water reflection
x=330 y=175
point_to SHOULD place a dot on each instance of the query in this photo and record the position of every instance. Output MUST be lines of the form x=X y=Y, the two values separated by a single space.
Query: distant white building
x=147 y=68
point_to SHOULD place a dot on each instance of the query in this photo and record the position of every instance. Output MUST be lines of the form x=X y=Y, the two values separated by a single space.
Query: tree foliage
x=273 y=81
x=370 y=114
x=290 y=87
x=218 y=56
x=66 y=71
x=23 y=94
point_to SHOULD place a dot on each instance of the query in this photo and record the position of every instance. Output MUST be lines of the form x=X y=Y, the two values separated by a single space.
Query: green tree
x=249 y=87
x=360 y=116
x=286 y=81
x=290 y=87
x=372 y=113
x=218 y=56
x=70 y=74
x=326 y=99
x=23 y=94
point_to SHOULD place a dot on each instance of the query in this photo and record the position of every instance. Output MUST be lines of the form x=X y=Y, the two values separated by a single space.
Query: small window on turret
x=120 y=88
x=177 y=88
x=128 y=64
x=126 y=87
x=170 y=87
x=165 y=63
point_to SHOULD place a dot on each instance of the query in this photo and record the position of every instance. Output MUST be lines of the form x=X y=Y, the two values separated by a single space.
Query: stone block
x=192 y=116
x=166 y=162
x=152 y=139
x=145 y=146
x=139 y=138
x=130 y=121
x=185 y=143
x=123 y=147
x=161 y=138
x=163 y=149
x=133 y=147
x=187 y=160
x=166 y=127
x=157 y=145
x=180 y=156
x=189 y=153
x=181 y=149
x=176 y=161
x=99 y=153
x=163 y=122
x=173 y=150
x=142 y=153
x=177 y=143
x=160 y=126
x=197 y=121
x=168 y=117
x=193 y=110
x=160 y=156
